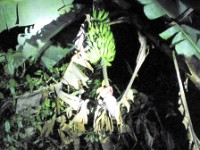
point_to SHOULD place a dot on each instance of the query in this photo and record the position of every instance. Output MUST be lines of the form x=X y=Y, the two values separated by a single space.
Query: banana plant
x=97 y=40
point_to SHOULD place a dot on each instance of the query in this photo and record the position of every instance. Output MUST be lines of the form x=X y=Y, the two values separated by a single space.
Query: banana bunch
x=100 y=15
x=100 y=38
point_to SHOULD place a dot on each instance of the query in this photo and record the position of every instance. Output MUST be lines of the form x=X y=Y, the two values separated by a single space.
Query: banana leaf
x=28 y=12
x=185 y=39
x=36 y=43
x=154 y=9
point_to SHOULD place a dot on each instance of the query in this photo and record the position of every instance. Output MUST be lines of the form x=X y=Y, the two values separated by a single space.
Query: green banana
x=100 y=38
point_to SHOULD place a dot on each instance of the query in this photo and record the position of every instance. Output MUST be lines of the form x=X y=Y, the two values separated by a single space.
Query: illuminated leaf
x=73 y=76
x=36 y=11
x=73 y=101
x=152 y=9
x=35 y=42
x=82 y=116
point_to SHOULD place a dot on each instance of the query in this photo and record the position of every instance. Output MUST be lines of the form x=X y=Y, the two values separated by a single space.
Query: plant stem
x=143 y=52
x=104 y=71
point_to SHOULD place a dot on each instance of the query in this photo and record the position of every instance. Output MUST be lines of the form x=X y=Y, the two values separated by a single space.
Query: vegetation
x=66 y=83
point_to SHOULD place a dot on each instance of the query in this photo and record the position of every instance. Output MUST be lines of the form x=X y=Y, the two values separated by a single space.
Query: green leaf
x=153 y=9
x=9 y=138
x=29 y=131
x=19 y=122
x=8 y=15
x=38 y=72
x=39 y=127
x=47 y=103
x=10 y=63
x=28 y=78
x=152 y=12
x=12 y=148
x=12 y=84
x=169 y=32
x=53 y=105
x=185 y=40
x=7 y=126
x=92 y=138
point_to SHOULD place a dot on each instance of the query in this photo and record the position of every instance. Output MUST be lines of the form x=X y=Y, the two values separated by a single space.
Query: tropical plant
x=58 y=94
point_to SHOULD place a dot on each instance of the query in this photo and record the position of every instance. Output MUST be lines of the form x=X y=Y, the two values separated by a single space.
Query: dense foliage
x=56 y=91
